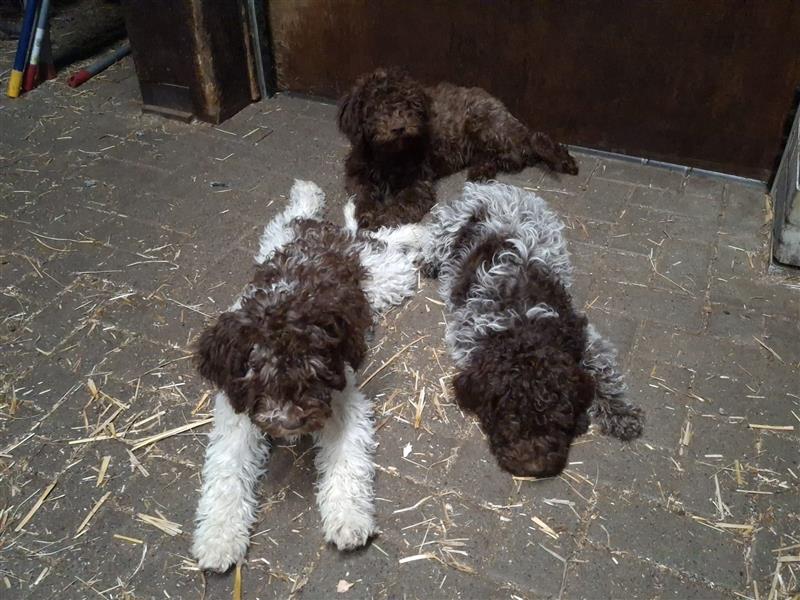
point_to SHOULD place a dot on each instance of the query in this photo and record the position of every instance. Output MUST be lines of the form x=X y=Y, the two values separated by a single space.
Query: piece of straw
x=92 y=512
x=237 y=582
x=388 y=362
x=36 y=506
x=545 y=527
x=770 y=350
x=102 y=473
x=771 y=427
x=165 y=525
x=169 y=433
x=125 y=538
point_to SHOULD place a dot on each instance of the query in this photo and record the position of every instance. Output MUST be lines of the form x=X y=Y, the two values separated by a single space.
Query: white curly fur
x=344 y=463
x=235 y=457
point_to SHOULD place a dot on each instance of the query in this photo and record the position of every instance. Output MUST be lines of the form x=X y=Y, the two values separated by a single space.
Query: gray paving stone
x=27 y=576
x=434 y=582
x=650 y=303
x=783 y=337
x=663 y=343
x=586 y=258
x=603 y=200
x=754 y=399
x=474 y=470
x=603 y=573
x=702 y=184
x=735 y=322
x=663 y=392
x=693 y=549
x=588 y=231
x=642 y=229
x=370 y=572
x=765 y=296
x=745 y=211
x=671 y=179
x=683 y=266
x=628 y=268
x=700 y=208
x=624 y=171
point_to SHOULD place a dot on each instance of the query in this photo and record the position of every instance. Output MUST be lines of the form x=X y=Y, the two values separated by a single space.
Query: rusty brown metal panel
x=709 y=84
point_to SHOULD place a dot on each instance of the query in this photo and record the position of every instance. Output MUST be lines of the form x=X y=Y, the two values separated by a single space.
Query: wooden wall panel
x=193 y=57
x=711 y=84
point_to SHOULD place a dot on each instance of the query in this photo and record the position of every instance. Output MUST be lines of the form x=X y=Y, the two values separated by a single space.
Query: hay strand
x=82 y=527
x=389 y=361
x=137 y=444
x=36 y=506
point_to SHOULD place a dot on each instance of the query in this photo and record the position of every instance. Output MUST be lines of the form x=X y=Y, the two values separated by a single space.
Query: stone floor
x=121 y=234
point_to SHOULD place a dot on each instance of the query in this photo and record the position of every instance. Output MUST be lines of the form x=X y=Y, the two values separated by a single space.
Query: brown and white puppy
x=405 y=136
x=283 y=358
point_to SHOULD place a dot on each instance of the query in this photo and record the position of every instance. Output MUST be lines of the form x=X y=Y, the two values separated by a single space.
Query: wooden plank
x=706 y=84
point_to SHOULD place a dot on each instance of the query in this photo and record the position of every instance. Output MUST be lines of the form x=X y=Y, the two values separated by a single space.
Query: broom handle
x=15 y=80
x=41 y=25
x=31 y=76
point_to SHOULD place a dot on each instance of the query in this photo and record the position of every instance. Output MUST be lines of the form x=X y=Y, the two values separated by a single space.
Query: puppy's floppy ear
x=222 y=353
x=469 y=388
x=349 y=115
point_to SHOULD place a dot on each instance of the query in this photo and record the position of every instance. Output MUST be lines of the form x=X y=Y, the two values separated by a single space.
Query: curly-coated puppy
x=283 y=358
x=404 y=136
x=530 y=367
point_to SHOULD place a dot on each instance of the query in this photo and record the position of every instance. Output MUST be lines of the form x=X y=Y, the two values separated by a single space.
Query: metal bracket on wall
x=255 y=32
x=786 y=194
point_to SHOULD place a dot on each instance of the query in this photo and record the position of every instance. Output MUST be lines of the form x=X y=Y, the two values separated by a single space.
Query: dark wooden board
x=711 y=84
x=192 y=57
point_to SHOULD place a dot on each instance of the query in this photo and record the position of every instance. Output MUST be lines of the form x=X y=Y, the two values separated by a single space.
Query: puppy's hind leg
x=306 y=201
x=614 y=415
x=227 y=509
x=345 y=493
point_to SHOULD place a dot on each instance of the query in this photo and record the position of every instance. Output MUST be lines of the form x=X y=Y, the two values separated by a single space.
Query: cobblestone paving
x=121 y=234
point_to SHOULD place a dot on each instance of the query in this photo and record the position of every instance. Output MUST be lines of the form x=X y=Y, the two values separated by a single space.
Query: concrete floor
x=121 y=234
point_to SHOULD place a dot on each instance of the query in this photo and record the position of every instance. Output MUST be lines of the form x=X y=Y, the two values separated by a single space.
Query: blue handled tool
x=15 y=80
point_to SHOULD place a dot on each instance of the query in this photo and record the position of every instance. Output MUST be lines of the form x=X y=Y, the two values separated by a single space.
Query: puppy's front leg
x=615 y=416
x=344 y=463
x=235 y=459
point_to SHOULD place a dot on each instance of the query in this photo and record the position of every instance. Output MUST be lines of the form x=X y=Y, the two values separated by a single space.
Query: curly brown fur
x=526 y=384
x=404 y=136
x=303 y=318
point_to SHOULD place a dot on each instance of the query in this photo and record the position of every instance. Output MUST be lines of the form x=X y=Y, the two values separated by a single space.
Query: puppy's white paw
x=352 y=533
x=218 y=551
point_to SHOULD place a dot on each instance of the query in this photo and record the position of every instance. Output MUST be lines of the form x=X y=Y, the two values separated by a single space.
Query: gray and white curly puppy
x=530 y=366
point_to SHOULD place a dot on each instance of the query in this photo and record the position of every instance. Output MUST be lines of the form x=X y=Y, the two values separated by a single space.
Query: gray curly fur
x=612 y=413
